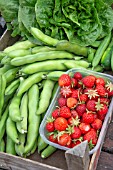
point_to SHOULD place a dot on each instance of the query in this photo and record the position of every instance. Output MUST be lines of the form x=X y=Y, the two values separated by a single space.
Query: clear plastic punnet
x=54 y=103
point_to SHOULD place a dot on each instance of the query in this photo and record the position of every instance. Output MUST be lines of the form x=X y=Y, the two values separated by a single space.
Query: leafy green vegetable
x=80 y=21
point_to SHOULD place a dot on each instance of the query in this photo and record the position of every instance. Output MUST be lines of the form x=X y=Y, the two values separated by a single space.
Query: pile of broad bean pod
x=28 y=82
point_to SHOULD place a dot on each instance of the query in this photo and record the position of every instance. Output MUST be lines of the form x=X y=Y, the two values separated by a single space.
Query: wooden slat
x=105 y=161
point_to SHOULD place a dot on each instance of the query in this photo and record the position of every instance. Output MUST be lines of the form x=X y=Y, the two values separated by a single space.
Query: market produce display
x=55 y=36
x=79 y=112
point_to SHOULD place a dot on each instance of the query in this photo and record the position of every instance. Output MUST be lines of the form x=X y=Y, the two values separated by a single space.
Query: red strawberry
x=50 y=125
x=62 y=101
x=81 y=108
x=91 y=136
x=103 y=110
x=89 y=81
x=101 y=116
x=75 y=93
x=97 y=124
x=83 y=98
x=104 y=100
x=65 y=112
x=73 y=144
x=88 y=117
x=64 y=140
x=71 y=102
x=74 y=113
x=92 y=94
x=78 y=76
x=53 y=138
x=109 y=88
x=73 y=121
x=84 y=127
x=73 y=82
x=64 y=80
x=76 y=133
x=91 y=105
x=100 y=81
x=60 y=124
x=66 y=91
x=55 y=113
x=101 y=90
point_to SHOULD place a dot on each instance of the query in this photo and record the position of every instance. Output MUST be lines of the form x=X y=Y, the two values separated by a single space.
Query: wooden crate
x=60 y=160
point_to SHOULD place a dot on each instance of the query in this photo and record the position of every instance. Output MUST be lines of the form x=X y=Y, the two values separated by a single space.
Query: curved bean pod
x=10 y=146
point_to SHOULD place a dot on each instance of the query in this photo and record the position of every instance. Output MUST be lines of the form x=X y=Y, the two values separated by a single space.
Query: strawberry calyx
x=50 y=119
x=98 y=105
x=65 y=91
x=79 y=139
x=91 y=145
x=92 y=93
x=75 y=121
x=109 y=86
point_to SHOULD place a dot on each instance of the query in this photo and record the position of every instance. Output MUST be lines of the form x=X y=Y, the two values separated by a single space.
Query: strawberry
x=64 y=139
x=76 y=133
x=88 y=117
x=62 y=101
x=101 y=90
x=73 y=144
x=97 y=124
x=55 y=113
x=50 y=125
x=73 y=82
x=83 y=98
x=103 y=110
x=73 y=121
x=64 y=80
x=84 y=127
x=104 y=100
x=74 y=113
x=91 y=105
x=66 y=91
x=75 y=93
x=91 y=136
x=60 y=124
x=65 y=112
x=89 y=81
x=78 y=76
x=53 y=138
x=100 y=81
x=71 y=102
x=109 y=88
x=101 y=116
x=81 y=108
x=92 y=94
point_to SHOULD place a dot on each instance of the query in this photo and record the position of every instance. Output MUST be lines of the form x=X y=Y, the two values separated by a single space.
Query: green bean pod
x=12 y=87
x=33 y=119
x=48 y=151
x=20 y=148
x=112 y=61
x=18 y=53
x=45 y=96
x=5 y=68
x=72 y=47
x=2 y=92
x=41 y=144
x=24 y=112
x=28 y=82
x=11 y=74
x=14 y=110
x=54 y=90
x=54 y=75
x=10 y=146
x=50 y=55
x=6 y=60
x=42 y=37
x=2 y=145
x=12 y=131
x=19 y=45
x=91 y=55
x=42 y=49
x=100 y=50
x=50 y=65
x=3 y=122
x=33 y=149
x=2 y=55
x=73 y=64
